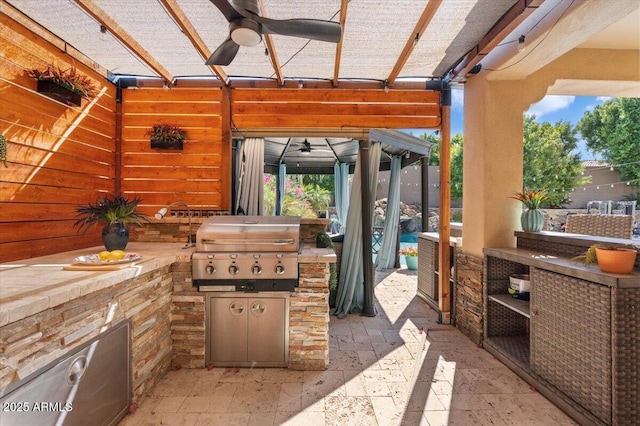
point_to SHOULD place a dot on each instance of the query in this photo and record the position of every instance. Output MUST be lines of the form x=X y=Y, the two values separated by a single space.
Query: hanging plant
x=67 y=86
x=166 y=136
x=3 y=150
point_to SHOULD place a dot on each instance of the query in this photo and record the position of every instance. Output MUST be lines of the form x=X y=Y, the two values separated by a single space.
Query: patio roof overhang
x=320 y=155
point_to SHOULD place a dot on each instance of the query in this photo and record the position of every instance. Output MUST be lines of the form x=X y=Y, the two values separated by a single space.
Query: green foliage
x=166 y=133
x=318 y=196
x=295 y=200
x=456 y=167
x=456 y=161
x=548 y=159
x=613 y=130
x=109 y=210
x=69 y=78
x=410 y=251
x=434 y=157
x=531 y=199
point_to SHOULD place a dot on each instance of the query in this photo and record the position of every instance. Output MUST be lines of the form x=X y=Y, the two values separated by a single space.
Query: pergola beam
x=271 y=48
x=427 y=14
x=343 y=20
x=178 y=15
x=505 y=25
x=93 y=10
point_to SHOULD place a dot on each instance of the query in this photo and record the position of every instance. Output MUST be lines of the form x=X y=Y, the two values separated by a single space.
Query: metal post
x=368 y=309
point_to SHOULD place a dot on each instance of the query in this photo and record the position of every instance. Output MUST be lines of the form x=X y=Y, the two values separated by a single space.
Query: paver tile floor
x=398 y=368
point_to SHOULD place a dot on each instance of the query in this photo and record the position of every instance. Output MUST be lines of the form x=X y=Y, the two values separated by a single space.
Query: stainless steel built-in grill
x=247 y=253
x=248 y=265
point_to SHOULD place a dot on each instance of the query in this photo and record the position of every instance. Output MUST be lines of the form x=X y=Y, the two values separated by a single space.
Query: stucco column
x=493 y=115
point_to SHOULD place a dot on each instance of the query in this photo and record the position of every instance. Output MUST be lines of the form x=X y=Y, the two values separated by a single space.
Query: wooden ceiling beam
x=427 y=14
x=343 y=20
x=17 y=15
x=180 y=18
x=93 y=10
x=271 y=49
x=325 y=84
x=505 y=25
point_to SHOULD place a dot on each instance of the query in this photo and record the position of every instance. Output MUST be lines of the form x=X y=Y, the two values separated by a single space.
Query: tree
x=548 y=160
x=434 y=156
x=456 y=161
x=613 y=130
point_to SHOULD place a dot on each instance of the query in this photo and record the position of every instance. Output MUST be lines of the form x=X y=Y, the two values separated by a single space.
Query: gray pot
x=115 y=236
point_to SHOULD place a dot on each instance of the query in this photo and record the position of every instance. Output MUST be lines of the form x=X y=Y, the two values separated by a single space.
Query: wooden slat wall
x=59 y=156
x=199 y=175
x=335 y=109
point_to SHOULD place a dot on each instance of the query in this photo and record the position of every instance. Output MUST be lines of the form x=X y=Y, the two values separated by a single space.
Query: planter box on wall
x=59 y=93
x=158 y=144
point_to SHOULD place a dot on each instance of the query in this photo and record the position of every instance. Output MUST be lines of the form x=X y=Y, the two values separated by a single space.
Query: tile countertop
x=32 y=285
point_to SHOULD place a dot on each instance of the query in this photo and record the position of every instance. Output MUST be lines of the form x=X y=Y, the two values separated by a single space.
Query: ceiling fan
x=306 y=148
x=246 y=27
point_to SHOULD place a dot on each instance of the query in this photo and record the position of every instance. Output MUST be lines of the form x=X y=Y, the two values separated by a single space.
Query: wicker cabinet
x=428 y=265
x=507 y=320
x=577 y=341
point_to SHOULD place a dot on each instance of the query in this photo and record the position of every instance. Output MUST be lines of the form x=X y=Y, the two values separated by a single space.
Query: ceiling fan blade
x=227 y=9
x=224 y=54
x=313 y=29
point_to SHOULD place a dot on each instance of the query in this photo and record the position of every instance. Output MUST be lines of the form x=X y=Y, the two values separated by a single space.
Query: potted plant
x=66 y=86
x=410 y=256
x=116 y=212
x=610 y=258
x=531 y=219
x=166 y=136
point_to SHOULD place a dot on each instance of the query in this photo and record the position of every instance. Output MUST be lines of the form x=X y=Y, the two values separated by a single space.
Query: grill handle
x=279 y=242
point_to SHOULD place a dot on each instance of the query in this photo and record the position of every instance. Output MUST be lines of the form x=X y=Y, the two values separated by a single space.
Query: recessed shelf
x=517 y=305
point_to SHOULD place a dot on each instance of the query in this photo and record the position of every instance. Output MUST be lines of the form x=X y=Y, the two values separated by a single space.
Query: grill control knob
x=256 y=269
x=233 y=269
x=210 y=269
x=279 y=269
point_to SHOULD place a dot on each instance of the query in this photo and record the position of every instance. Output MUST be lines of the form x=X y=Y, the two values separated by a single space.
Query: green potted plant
x=410 y=256
x=66 y=86
x=166 y=136
x=610 y=258
x=116 y=212
x=532 y=219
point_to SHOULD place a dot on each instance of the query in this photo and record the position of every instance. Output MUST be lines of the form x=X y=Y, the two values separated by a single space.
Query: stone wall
x=187 y=320
x=33 y=342
x=309 y=319
x=468 y=296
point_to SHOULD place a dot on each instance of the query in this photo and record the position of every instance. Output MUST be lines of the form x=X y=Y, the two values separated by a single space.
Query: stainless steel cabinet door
x=266 y=330
x=228 y=329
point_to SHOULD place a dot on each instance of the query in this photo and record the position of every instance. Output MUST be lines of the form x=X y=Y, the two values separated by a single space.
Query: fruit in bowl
x=106 y=256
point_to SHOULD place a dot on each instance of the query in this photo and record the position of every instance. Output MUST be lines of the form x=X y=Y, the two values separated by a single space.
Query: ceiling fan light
x=246 y=37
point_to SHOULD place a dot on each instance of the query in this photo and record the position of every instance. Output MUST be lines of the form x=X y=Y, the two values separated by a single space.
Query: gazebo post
x=368 y=308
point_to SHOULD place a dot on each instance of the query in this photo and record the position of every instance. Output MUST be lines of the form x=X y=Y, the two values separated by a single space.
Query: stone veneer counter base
x=46 y=311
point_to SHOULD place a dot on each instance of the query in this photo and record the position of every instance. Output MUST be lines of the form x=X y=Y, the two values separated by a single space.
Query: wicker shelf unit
x=577 y=341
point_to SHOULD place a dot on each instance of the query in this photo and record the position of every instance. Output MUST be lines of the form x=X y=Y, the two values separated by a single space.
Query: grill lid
x=249 y=234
